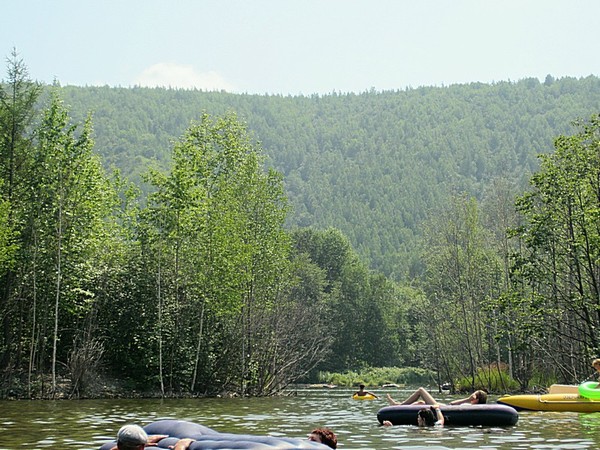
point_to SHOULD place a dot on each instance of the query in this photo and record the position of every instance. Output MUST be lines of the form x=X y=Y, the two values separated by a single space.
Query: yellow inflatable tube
x=363 y=397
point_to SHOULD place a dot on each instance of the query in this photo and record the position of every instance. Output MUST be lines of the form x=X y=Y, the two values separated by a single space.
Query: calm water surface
x=86 y=424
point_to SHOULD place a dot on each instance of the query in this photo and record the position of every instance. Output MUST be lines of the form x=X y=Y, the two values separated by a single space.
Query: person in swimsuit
x=361 y=392
x=422 y=397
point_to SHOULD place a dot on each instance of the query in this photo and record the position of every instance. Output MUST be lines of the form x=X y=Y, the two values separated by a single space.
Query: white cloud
x=181 y=76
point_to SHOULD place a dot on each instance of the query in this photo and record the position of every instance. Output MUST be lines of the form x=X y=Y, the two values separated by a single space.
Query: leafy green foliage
x=493 y=378
x=462 y=271
x=366 y=312
x=18 y=95
x=558 y=263
x=8 y=246
x=70 y=199
x=379 y=376
x=213 y=231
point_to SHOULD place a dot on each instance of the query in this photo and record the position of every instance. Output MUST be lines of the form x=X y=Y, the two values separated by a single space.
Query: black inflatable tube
x=454 y=415
x=207 y=438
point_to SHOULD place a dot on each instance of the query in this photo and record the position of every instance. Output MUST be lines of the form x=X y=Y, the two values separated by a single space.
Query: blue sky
x=300 y=46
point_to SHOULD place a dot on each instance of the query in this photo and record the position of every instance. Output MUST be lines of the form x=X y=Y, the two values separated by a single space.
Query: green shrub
x=490 y=379
x=378 y=376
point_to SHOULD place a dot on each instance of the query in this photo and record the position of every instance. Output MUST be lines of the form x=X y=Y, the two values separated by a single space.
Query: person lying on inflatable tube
x=476 y=398
x=134 y=437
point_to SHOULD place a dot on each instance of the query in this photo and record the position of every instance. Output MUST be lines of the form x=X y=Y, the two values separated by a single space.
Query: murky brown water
x=86 y=424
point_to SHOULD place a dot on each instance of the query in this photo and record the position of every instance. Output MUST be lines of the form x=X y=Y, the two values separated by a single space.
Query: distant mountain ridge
x=373 y=164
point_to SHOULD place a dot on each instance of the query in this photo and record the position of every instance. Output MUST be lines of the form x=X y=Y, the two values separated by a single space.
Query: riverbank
x=100 y=388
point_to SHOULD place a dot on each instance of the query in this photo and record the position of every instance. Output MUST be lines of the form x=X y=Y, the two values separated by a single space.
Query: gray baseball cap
x=132 y=435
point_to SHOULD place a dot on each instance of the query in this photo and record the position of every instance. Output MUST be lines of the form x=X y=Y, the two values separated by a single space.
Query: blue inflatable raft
x=207 y=438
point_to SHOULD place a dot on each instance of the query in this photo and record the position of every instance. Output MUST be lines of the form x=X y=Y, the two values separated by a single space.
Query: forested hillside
x=199 y=281
x=373 y=165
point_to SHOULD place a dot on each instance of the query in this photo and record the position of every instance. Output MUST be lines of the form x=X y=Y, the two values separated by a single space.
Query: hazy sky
x=300 y=46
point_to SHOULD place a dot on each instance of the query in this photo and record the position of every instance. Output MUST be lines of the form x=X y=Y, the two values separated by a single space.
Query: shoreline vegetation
x=375 y=378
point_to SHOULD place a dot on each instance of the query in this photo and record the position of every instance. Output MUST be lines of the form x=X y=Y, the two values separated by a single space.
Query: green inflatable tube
x=589 y=390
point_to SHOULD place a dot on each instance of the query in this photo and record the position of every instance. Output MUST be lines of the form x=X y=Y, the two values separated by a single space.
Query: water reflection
x=87 y=424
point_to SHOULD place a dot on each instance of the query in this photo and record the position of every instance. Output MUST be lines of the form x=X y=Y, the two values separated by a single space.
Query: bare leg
x=426 y=396
x=391 y=401
x=420 y=393
x=412 y=398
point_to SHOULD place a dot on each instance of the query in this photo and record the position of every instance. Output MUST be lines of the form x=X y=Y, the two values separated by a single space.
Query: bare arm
x=155 y=438
x=439 y=415
x=473 y=399
x=182 y=444
x=461 y=401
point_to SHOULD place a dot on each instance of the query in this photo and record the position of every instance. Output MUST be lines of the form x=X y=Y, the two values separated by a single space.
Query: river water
x=86 y=424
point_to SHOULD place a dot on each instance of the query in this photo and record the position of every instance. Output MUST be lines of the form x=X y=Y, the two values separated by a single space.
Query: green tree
x=219 y=234
x=516 y=325
x=559 y=263
x=368 y=313
x=462 y=275
x=69 y=204
x=18 y=95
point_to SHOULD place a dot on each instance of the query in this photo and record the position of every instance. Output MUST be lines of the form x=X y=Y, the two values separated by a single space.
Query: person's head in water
x=426 y=417
x=324 y=436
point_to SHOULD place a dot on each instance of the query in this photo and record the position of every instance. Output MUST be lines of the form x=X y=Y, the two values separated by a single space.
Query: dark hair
x=327 y=436
x=481 y=396
x=428 y=415
x=362 y=386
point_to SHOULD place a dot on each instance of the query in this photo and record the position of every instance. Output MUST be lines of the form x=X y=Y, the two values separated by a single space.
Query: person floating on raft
x=182 y=435
x=422 y=397
x=362 y=393
x=432 y=415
